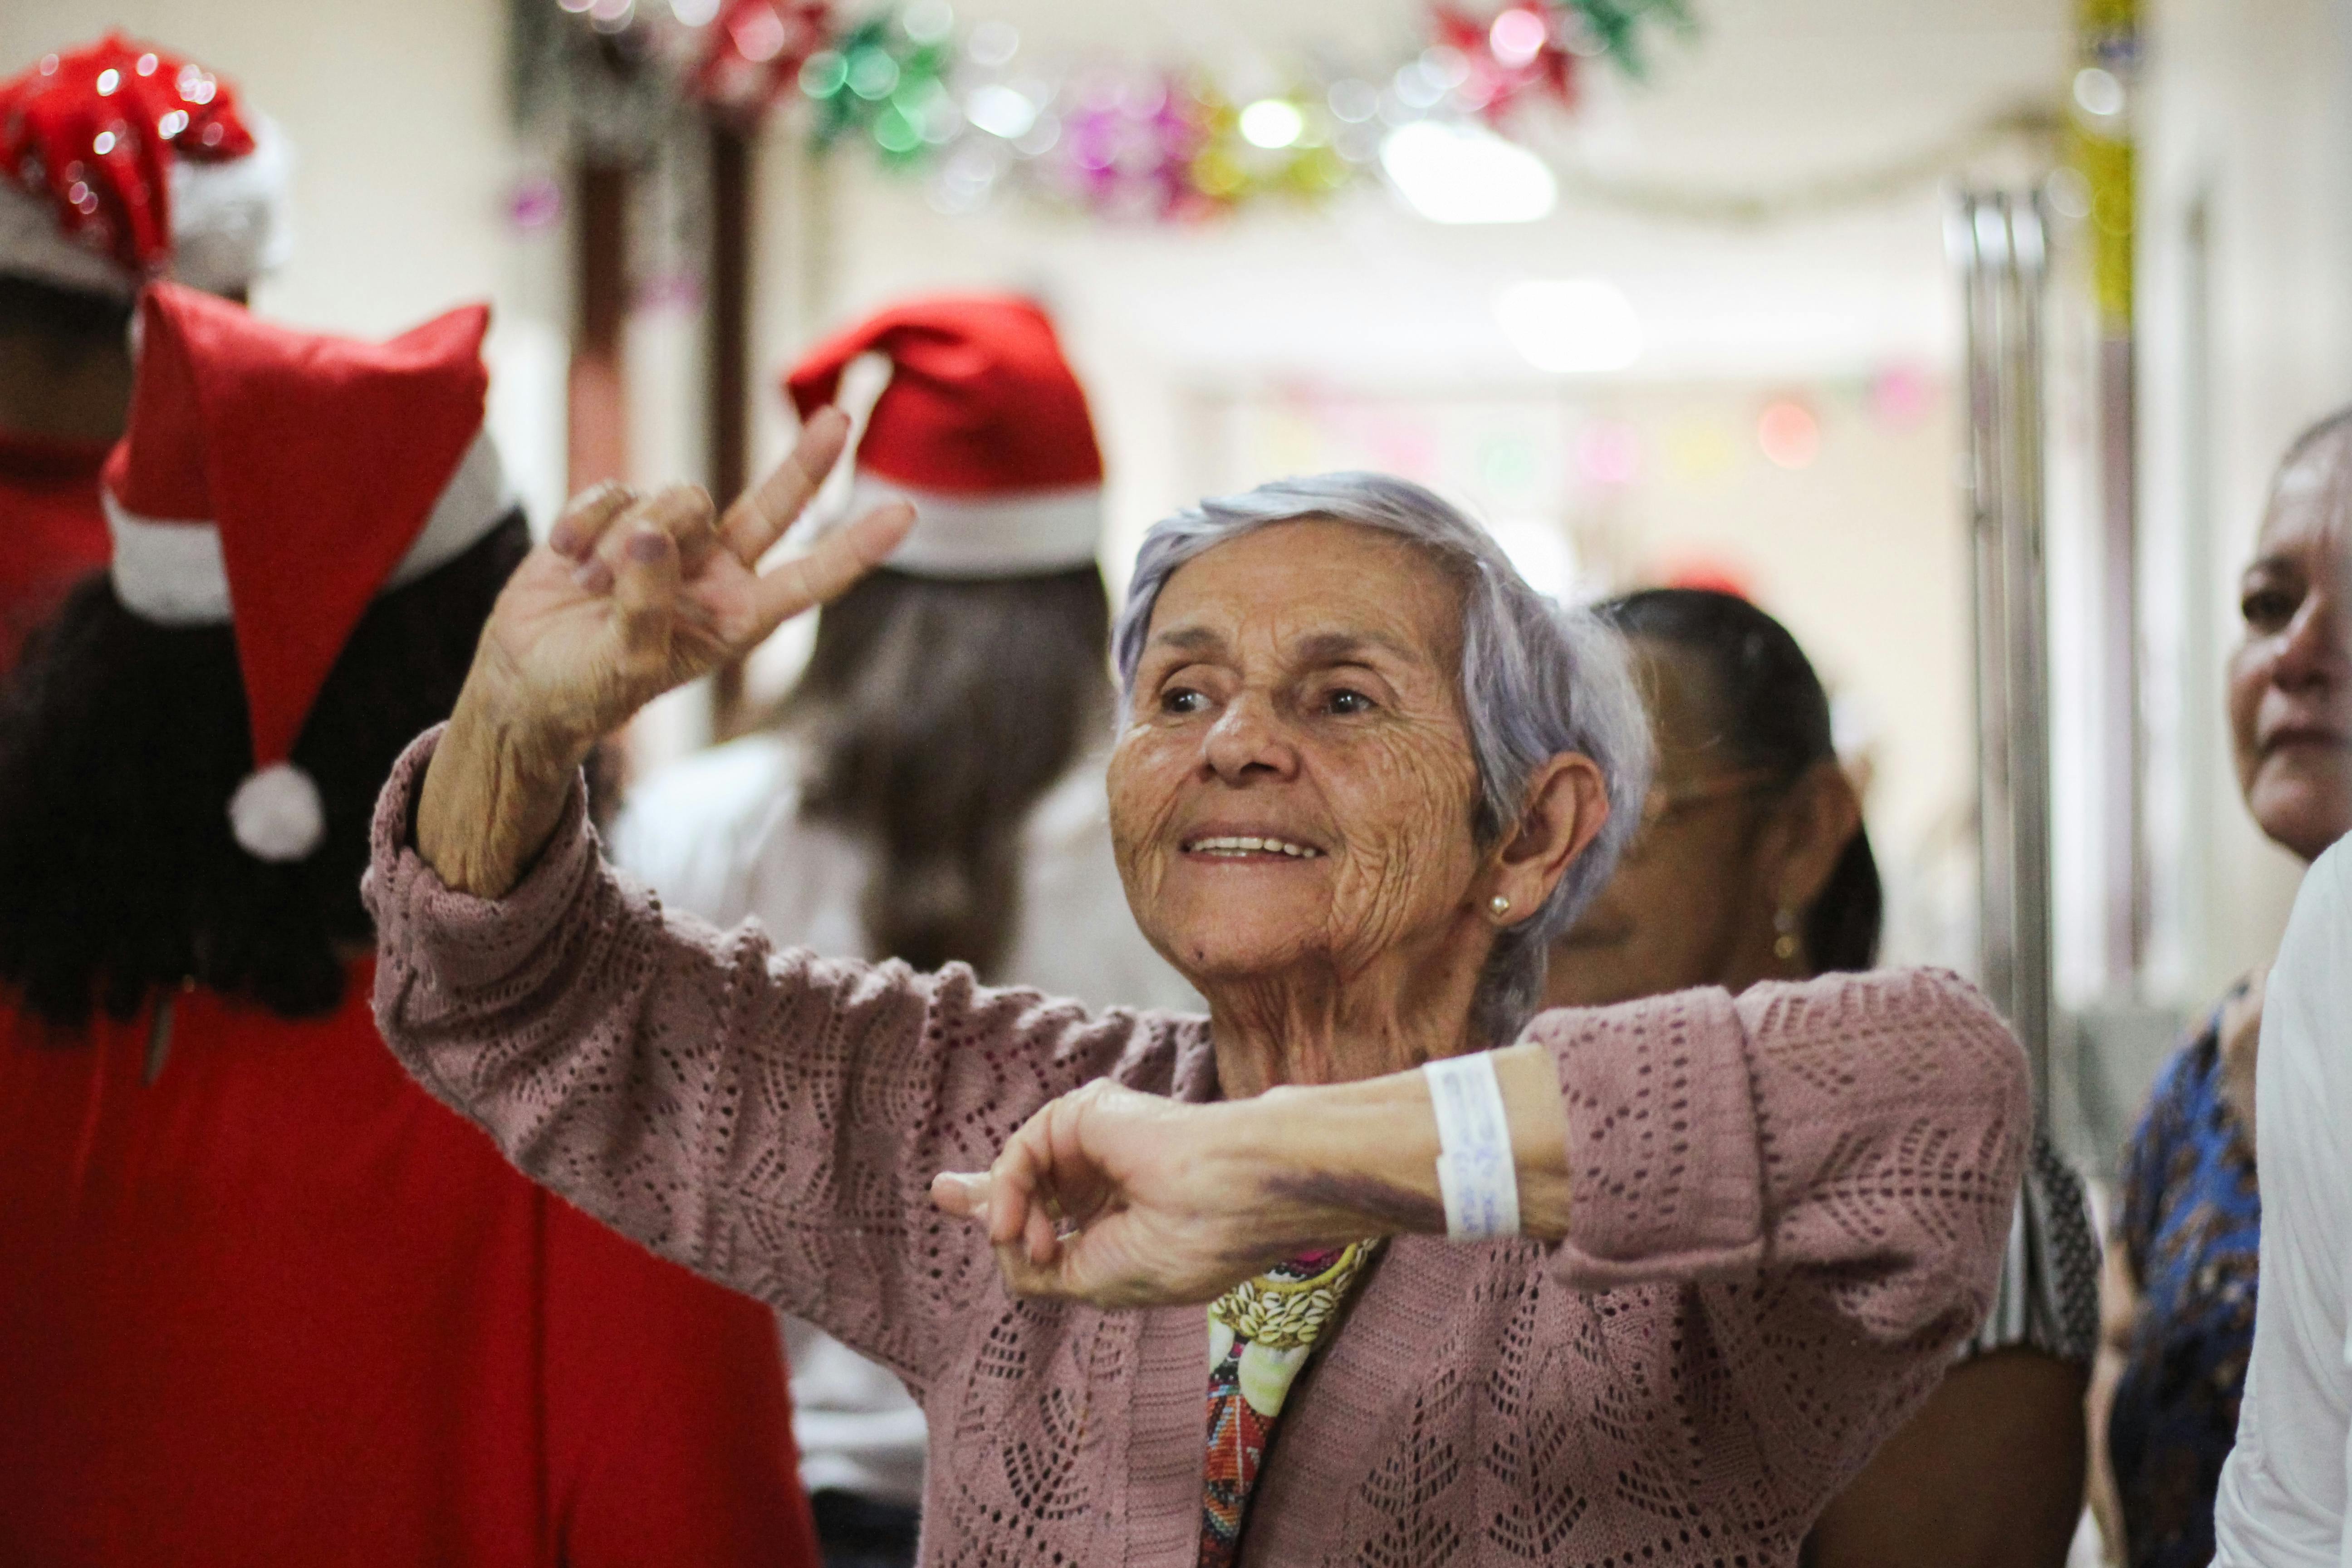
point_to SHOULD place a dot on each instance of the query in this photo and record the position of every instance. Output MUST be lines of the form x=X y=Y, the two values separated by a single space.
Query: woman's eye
x=1344 y=702
x=2267 y=609
x=1181 y=700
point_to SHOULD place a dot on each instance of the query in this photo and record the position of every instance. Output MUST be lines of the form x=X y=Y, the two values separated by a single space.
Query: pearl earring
x=1784 y=947
x=1500 y=905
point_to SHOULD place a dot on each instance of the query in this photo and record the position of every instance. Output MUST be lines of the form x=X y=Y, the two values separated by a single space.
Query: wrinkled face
x=1295 y=787
x=1687 y=892
x=2291 y=677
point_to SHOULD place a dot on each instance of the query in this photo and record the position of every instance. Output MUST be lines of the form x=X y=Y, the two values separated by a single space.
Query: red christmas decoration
x=752 y=53
x=1515 y=52
x=94 y=131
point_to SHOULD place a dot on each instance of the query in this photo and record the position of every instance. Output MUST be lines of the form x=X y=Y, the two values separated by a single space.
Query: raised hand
x=630 y=596
x=634 y=596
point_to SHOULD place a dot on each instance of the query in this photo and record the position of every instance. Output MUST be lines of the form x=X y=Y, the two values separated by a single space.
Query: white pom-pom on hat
x=276 y=813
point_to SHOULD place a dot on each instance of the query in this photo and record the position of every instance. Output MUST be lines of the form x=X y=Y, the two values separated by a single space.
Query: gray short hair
x=1537 y=680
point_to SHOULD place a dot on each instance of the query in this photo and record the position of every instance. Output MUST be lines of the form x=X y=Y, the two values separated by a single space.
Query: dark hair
x=1771 y=714
x=938 y=711
x=121 y=742
x=71 y=318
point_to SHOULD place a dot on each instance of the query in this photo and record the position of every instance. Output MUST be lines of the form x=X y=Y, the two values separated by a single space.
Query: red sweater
x=280 y=1306
x=52 y=529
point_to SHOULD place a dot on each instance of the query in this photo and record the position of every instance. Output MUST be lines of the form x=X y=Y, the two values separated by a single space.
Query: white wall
x=397 y=117
x=403 y=162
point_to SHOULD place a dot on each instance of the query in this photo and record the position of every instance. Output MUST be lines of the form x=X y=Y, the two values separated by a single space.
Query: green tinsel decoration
x=877 y=82
x=1617 y=25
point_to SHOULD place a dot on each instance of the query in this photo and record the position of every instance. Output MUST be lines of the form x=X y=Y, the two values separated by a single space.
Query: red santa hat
x=980 y=424
x=120 y=163
x=277 y=481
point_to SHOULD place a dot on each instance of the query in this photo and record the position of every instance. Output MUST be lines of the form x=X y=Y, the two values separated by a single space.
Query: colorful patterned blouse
x=2190 y=1222
x=1261 y=1334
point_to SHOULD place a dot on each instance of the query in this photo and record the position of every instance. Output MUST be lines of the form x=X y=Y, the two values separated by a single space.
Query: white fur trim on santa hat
x=1011 y=534
x=171 y=572
x=276 y=813
x=33 y=246
x=231 y=222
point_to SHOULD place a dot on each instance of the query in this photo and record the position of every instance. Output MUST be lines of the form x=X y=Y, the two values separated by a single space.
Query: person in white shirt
x=2283 y=1491
x=932 y=788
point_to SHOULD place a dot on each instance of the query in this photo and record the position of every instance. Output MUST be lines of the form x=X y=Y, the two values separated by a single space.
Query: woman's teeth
x=1253 y=847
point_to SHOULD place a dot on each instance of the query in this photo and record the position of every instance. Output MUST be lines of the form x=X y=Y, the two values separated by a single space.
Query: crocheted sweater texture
x=1789 y=1209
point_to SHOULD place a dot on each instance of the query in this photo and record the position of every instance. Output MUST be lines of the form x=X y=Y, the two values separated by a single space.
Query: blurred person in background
x=2179 y=1286
x=263 y=1301
x=119 y=162
x=1752 y=865
x=932 y=789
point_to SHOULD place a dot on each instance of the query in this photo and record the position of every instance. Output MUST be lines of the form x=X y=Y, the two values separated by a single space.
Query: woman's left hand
x=1124 y=1199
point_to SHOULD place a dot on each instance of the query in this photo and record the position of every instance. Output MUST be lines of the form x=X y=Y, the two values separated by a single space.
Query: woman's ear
x=1818 y=818
x=1567 y=805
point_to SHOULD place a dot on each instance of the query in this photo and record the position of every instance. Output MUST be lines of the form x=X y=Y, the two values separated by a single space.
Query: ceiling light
x=1001 y=111
x=1516 y=37
x=1270 y=122
x=2100 y=92
x=1790 y=434
x=1454 y=171
x=1571 y=325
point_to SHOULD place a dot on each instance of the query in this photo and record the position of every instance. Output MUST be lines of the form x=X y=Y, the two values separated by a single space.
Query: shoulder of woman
x=1929 y=999
x=2324 y=903
x=2302 y=1003
x=1155 y=1052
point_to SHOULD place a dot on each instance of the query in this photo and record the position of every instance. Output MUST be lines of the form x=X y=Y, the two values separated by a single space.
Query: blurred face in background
x=2290 y=676
x=1690 y=902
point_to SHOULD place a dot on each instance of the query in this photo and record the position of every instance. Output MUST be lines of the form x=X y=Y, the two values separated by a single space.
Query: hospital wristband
x=1476 y=1175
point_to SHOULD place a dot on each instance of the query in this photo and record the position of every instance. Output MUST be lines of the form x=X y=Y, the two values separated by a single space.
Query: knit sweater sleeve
x=1857 y=1138
x=770 y=1120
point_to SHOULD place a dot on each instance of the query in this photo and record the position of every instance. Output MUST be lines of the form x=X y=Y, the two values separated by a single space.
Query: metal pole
x=1997 y=244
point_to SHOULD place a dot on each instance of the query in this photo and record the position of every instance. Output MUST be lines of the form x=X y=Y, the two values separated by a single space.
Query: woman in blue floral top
x=2180 y=1309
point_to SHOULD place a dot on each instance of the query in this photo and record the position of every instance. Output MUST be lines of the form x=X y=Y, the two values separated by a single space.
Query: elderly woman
x=1637 y=1284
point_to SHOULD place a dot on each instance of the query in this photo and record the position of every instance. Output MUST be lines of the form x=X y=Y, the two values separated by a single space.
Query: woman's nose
x=2314 y=651
x=1249 y=741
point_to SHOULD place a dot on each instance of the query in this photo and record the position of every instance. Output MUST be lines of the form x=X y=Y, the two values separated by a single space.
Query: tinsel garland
x=964 y=110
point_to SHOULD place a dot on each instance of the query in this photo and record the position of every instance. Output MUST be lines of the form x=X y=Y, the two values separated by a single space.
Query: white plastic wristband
x=1475 y=1173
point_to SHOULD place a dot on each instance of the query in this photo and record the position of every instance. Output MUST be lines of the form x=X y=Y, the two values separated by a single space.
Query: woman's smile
x=1247 y=846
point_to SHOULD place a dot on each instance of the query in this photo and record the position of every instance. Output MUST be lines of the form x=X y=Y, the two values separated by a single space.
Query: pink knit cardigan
x=1787 y=1208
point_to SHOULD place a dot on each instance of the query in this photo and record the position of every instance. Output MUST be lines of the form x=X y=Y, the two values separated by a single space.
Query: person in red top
x=262 y=1299
x=119 y=162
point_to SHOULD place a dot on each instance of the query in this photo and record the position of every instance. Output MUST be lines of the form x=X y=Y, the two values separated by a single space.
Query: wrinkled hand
x=629 y=597
x=634 y=596
x=1124 y=1199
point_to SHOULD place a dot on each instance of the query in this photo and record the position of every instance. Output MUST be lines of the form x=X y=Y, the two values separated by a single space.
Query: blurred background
x=1668 y=293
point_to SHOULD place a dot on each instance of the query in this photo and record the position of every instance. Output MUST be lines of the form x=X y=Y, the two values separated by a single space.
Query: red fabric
x=143 y=107
x=52 y=530
x=280 y=1306
x=319 y=459
x=980 y=401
